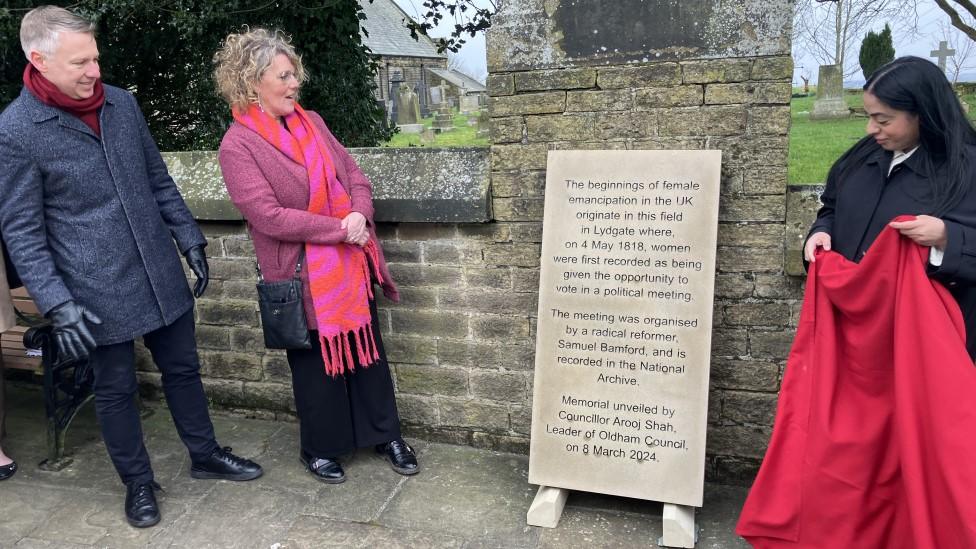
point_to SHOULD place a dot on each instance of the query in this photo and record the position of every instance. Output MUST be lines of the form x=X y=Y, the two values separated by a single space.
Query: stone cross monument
x=942 y=53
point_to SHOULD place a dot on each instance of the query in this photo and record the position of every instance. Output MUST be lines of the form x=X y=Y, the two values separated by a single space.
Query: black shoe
x=8 y=470
x=141 y=509
x=400 y=455
x=221 y=464
x=325 y=469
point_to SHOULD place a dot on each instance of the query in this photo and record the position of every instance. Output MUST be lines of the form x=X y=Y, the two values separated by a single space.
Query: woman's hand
x=356 y=231
x=816 y=240
x=924 y=229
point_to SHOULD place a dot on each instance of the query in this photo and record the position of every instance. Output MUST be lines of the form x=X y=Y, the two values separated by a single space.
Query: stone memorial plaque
x=625 y=320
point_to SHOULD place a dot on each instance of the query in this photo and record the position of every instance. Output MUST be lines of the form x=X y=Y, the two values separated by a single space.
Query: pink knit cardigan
x=271 y=191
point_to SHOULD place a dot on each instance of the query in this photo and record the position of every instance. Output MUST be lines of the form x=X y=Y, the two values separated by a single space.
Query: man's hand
x=925 y=230
x=356 y=231
x=196 y=258
x=71 y=335
x=816 y=240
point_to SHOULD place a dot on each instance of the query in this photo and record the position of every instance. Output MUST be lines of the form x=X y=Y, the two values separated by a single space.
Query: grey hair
x=40 y=28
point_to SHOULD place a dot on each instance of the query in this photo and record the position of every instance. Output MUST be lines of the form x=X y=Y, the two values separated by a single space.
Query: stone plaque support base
x=679 y=526
x=547 y=507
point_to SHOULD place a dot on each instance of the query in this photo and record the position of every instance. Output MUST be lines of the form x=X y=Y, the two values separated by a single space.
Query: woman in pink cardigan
x=308 y=204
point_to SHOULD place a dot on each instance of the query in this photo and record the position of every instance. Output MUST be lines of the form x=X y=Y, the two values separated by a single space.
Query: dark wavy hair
x=918 y=86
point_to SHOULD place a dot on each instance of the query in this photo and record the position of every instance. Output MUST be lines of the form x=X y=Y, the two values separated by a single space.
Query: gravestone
x=830 y=102
x=408 y=110
x=943 y=53
x=437 y=95
x=625 y=319
x=484 y=125
x=469 y=104
x=444 y=119
x=427 y=136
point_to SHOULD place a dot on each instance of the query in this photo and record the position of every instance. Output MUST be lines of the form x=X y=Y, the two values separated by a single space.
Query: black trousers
x=174 y=350
x=354 y=410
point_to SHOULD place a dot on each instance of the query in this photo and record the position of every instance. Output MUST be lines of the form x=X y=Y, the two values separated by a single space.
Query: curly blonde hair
x=243 y=59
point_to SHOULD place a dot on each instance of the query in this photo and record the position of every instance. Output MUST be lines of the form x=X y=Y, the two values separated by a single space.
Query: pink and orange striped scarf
x=339 y=274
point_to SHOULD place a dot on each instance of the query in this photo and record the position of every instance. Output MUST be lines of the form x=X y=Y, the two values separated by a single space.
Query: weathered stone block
x=503 y=386
x=484 y=232
x=528 y=103
x=411 y=274
x=559 y=127
x=213 y=337
x=420 y=184
x=753 y=375
x=515 y=255
x=269 y=396
x=749 y=92
x=730 y=343
x=238 y=246
x=276 y=368
x=197 y=175
x=715 y=70
x=600 y=101
x=521 y=417
x=431 y=380
x=562 y=79
x=417 y=298
x=527 y=232
x=500 y=327
x=757 y=314
x=752 y=408
x=426 y=231
x=232 y=269
x=232 y=313
x=778 y=287
x=770 y=345
x=766 y=180
x=523 y=184
x=735 y=471
x=655 y=74
x=518 y=209
x=403 y=349
x=733 y=286
x=500 y=443
x=754 y=235
x=487 y=301
x=500 y=84
x=509 y=129
x=525 y=280
x=701 y=121
x=235 y=290
x=753 y=208
x=742 y=441
x=519 y=157
x=769 y=120
x=229 y=365
x=772 y=68
x=417 y=410
x=473 y=413
x=750 y=260
x=676 y=96
x=401 y=251
x=489 y=277
x=430 y=323
x=512 y=356
x=802 y=203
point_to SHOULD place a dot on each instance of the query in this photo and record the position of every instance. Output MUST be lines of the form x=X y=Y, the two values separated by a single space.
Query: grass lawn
x=816 y=145
x=462 y=136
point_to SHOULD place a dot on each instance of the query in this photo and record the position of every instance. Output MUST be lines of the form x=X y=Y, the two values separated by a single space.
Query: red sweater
x=271 y=191
x=874 y=437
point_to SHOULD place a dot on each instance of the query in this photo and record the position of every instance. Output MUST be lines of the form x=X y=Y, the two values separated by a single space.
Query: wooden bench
x=15 y=355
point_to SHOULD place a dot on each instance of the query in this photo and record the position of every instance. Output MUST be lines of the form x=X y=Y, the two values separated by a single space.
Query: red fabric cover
x=49 y=94
x=874 y=439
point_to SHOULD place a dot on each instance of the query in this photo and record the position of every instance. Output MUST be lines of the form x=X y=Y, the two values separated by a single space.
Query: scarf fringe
x=337 y=350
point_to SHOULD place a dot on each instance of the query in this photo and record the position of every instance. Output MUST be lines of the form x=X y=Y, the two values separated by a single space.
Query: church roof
x=459 y=79
x=388 y=34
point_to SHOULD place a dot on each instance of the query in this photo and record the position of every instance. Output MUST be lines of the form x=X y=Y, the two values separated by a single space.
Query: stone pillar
x=655 y=74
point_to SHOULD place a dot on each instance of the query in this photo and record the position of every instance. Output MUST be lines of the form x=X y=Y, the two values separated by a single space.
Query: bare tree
x=964 y=47
x=830 y=30
x=805 y=75
x=470 y=17
x=962 y=21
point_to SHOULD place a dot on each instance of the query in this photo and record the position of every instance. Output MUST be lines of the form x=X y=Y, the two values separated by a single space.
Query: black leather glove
x=71 y=335
x=196 y=258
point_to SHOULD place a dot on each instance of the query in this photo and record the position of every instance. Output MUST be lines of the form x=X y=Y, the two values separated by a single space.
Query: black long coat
x=857 y=209
x=94 y=219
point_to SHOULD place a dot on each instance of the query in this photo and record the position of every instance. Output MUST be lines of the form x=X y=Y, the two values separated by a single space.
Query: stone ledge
x=409 y=185
x=802 y=203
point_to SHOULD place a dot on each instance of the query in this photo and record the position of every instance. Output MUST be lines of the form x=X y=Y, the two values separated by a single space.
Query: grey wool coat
x=93 y=219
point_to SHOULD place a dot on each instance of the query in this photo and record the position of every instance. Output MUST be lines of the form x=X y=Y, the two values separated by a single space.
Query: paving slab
x=463 y=498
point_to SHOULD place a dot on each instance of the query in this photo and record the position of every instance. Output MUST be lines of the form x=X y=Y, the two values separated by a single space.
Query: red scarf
x=49 y=94
x=873 y=441
x=339 y=274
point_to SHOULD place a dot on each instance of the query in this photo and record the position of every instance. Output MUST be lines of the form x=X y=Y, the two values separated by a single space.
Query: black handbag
x=282 y=311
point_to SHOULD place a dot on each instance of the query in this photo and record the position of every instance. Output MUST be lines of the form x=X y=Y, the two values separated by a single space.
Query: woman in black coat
x=919 y=158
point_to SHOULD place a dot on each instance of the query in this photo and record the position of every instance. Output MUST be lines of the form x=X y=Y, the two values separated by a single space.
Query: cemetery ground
x=816 y=145
x=463 y=497
x=463 y=135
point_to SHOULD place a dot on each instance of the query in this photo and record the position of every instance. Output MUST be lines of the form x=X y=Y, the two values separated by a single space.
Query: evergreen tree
x=876 y=50
x=162 y=51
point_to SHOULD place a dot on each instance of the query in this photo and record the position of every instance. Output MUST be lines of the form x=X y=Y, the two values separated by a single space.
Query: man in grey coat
x=89 y=214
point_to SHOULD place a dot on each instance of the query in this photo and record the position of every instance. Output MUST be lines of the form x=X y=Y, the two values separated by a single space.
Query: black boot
x=141 y=509
x=223 y=465
x=400 y=455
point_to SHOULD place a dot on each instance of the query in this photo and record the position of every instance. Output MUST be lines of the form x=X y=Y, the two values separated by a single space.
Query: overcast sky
x=472 y=53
